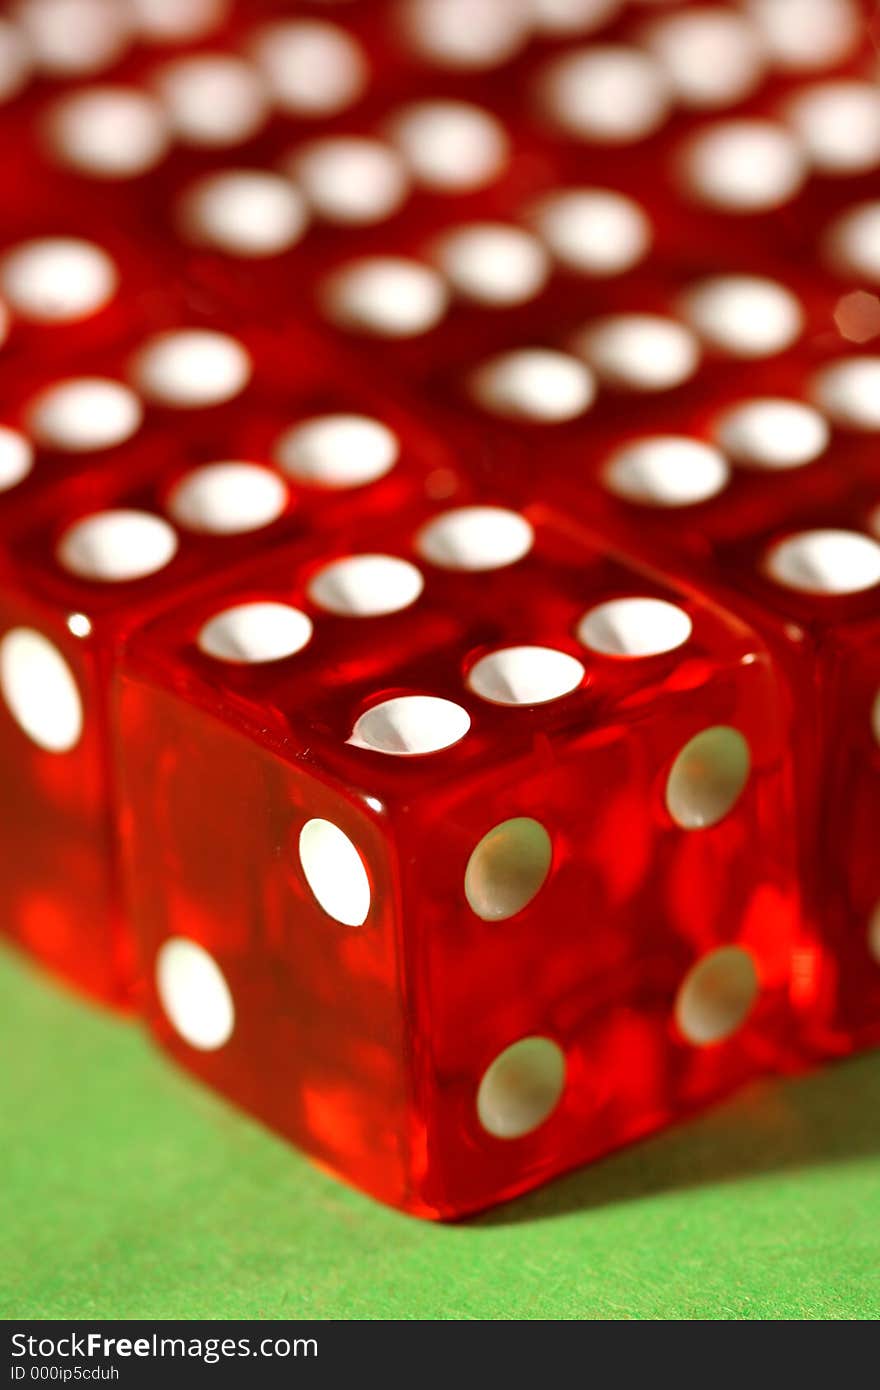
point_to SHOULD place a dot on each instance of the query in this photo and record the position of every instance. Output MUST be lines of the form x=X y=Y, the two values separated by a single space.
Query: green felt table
x=129 y=1192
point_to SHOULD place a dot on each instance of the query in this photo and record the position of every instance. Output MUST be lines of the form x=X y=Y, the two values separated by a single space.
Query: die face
x=811 y=589
x=58 y=643
x=595 y=961
x=311 y=1030
x=455 y=589
x=473 y=982
x=62 y=906
x=72 y=443
x=693 y=477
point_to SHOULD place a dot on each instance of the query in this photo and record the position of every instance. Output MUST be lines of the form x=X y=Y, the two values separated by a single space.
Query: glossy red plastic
x=636 y=866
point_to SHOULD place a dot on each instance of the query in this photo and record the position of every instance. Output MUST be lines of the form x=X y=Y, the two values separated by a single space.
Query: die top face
x=417 y=651
x=114 y=501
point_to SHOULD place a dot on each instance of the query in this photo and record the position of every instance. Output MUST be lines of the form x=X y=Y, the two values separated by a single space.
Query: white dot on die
x=243 y=212
x=634 y=627
x=772 y=433
x=743 y=166
x=255 y=632
x=561 y=17
x=109 y=132
x=410 y=726
x=525 y=676
x=118 y=545
x=716 y=996
x=365 y=586
x=312 y=68
x=804 y=35
x=192 y=367
x=471 y=35
x=350 y=179
x=667 y=471
x=839 y=125
x=521 y=1088
x=593 y=231
x=194 y=994
x=40 y=690
x=56 y=279
x=537 y=384
x=212 y=99
x=449 y=146
x=743 y=315
x=607 y=94
x=16 y=458
x=84 y=413
x=227 y=498
x=175 y=21
x=507 y=868
x=708 y=777
x=825 y=562
x=492 y=264
x=386 y=296
x=852 y=242
x=15 y=61
x=848 y=390
x=475 y=538
x=711 y=57
x=337 y=451
x=639 y=352
x=74 y=38
x=335 y=872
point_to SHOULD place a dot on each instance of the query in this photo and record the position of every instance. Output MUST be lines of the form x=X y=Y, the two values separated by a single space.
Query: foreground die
x=459 y=853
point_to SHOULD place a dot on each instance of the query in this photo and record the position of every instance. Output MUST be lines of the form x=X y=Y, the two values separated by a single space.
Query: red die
x=455 y=860
x=625 y=280
x=126 y=502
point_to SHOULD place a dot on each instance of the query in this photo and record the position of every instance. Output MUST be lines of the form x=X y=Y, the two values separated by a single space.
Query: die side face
x=575 y=964
x=311 y=1028
x=596 y=744
x=809 y=586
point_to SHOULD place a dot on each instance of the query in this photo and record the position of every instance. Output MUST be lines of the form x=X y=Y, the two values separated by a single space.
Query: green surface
x=129 y=1192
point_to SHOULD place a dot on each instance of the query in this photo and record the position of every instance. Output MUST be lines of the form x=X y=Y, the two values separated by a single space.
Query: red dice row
x=439 y=556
